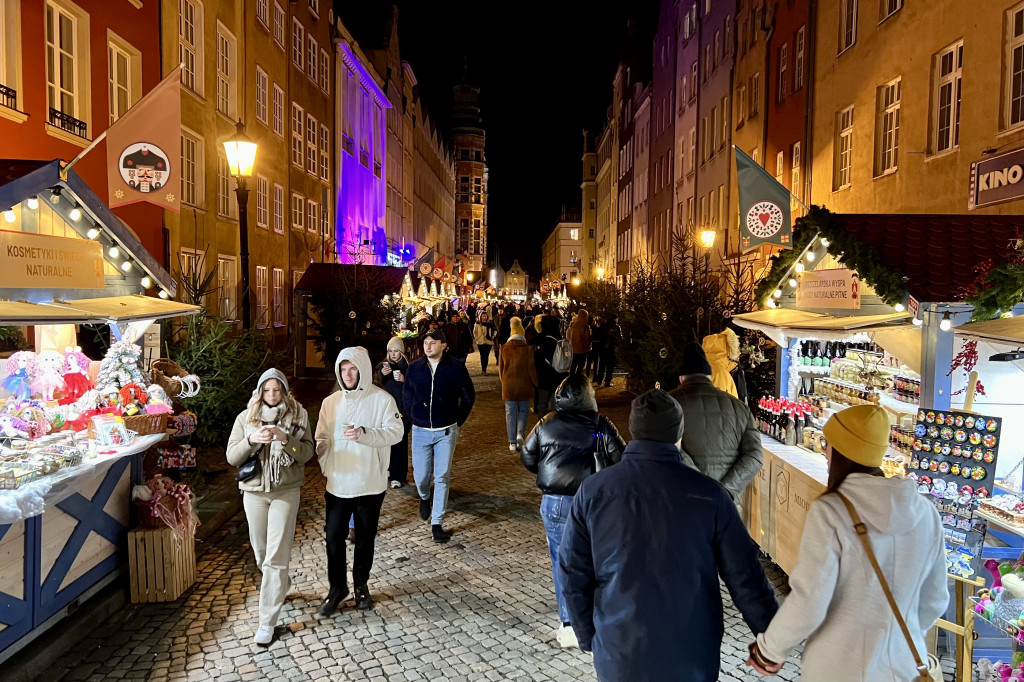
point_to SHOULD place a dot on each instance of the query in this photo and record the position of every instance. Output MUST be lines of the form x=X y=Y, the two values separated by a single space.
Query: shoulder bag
x=252 y=467
x=601 y=460
x=926 y=672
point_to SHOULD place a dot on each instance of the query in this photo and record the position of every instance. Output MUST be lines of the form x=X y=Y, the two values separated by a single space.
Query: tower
x=469 y=137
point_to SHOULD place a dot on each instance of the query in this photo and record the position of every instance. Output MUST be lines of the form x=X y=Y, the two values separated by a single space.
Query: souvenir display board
x=954 y=463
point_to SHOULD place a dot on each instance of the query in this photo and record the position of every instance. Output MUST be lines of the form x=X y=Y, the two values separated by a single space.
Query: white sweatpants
x=271 y=518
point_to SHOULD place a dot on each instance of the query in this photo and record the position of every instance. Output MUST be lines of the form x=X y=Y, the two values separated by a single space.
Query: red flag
x=144 y=149
x=439 y=268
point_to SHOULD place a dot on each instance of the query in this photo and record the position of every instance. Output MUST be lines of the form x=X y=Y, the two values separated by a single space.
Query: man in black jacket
x=438 y=396
x=644 y=547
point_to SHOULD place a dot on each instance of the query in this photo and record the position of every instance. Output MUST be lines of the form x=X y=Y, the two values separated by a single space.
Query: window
x=278 y=208
x=693 y=79
x=226 y=204
x=262 y=202
x=574 y=234
x=262 y=84
x=298 y=211
x=325 y=72
x=119 y=81
x=725 y=120
x=693 y=150
x=780 y=164
x=296 y=276
x=314 y=7
x=190 y=263
x=689 y=211
x=798 y=64
x=225 y=72
x=794 y=178
x=783 y=67
x=190 y=44
x=843 y=149
x=890 y=7
x=278 y=110
x=298 y=43
x=1015 y=67
x=278 y=301
x=946 y=117
x=707 y=61
x=741 y=104
x=62 y=62
x=262 y=12
x=714 y=129
x=312 y=50
x=311 y=146
x=755 y=93
x=847 y=24
x=727 y=32
x=888 y=135
x=279 y=24
x=261 y=296
x=325 y=153
x=298 y=120
x=756 y=155
x=312 y=216
x=718 y=48
x=191 y=166
x=227 y=287
x=704 y=139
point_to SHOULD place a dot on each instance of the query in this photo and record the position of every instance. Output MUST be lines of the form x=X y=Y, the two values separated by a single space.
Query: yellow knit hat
x=860 y=433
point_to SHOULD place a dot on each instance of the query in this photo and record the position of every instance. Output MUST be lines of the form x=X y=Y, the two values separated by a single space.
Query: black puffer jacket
x=560 y=449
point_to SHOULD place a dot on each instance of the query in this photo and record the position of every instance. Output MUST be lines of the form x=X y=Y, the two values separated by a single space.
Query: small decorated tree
x=121 y=366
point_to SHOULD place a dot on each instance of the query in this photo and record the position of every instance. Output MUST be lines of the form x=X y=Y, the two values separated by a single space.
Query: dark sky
x=545 y=69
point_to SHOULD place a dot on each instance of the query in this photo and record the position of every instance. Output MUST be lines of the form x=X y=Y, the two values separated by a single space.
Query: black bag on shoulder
x=252 y=467
x=601 y=460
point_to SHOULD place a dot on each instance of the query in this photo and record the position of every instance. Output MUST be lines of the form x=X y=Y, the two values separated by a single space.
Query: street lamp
x=707 y=238
x=469 y=277
x=575 y=281
x=241 y=153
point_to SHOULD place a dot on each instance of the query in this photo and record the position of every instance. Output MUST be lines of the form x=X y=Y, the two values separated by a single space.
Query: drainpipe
x=805 y=161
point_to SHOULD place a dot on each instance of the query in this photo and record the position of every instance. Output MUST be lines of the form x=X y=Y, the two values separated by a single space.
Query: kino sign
x=997 y=180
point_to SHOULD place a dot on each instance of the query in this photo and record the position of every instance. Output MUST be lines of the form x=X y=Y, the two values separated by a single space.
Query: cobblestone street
x=481 y=607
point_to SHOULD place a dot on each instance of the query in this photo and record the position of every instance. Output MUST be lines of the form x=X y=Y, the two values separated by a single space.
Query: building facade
x=685 y=135
x=562 y=251
x=589 y=212
x=638 y=237
x=626 y=91
x=516 y=282
x=469 y=139
x=662 y=142
x=604 y=241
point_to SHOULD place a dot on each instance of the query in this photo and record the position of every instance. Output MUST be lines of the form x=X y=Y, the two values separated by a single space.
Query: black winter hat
x=437 y=334
x=694 y=361
x=657 y=416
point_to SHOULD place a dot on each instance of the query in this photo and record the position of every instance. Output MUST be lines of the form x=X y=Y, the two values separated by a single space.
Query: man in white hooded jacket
x=357 y=427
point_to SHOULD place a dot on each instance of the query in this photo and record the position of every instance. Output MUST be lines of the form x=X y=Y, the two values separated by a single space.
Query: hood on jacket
x=582 y=317
x=358 y=356
x=888 y=505
x=722 y=350
x=575 y=394
x=272 y=373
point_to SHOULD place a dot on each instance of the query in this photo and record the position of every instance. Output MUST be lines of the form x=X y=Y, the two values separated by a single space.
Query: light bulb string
x=789 y=271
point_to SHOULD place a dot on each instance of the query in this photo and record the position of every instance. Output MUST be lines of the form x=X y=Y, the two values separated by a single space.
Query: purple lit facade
x=361 y=202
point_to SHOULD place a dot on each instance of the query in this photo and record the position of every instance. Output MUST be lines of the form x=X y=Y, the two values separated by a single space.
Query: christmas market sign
x=39 y=261
x=838 y=288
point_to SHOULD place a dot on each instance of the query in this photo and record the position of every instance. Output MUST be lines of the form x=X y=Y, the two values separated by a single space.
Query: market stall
x=72 y=428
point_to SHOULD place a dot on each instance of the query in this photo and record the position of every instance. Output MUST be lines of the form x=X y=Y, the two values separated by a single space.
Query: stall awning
x=850 y=322
x=1007 y=330
x=116 y=309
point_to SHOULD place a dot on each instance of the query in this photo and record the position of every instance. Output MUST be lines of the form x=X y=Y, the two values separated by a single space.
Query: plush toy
x=993 y=567
x=158 y=403
x=12 y=427
x=76 y=377
x=48 y=379
x=120 y=367
x=21 y=367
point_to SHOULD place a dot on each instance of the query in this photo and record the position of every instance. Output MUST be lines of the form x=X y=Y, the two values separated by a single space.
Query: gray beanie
x=657 y=416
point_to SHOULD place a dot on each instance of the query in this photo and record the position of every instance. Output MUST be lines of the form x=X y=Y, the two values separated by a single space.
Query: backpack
x=561 y=360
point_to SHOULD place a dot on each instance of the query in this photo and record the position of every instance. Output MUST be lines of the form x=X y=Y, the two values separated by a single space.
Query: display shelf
x=812 y=370
x=902 y=371
x=999 y=485
x=1003 y=525
x=897 y=406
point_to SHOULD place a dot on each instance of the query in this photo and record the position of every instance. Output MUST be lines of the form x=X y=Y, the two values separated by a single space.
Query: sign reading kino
x=997 y=179
x=39 y=261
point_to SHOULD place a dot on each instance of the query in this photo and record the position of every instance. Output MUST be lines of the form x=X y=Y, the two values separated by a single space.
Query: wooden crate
x=162 y=566
x=793 y=490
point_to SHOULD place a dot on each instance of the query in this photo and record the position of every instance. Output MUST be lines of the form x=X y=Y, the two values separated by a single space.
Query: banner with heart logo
x=765 y=216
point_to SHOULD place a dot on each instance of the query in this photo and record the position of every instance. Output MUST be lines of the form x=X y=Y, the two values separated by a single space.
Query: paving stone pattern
x=481 y=607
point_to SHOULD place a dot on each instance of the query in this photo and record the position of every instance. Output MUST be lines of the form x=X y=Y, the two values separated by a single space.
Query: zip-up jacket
x=438 y=399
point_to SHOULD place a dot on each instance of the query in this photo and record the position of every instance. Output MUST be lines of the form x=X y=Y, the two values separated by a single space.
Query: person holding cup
x=391 y=376
x=357 y=427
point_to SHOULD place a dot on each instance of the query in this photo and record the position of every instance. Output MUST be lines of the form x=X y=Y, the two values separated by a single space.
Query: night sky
x=545 y=69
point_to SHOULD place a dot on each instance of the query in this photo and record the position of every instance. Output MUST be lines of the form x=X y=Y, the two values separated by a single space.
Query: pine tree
x=121 y=366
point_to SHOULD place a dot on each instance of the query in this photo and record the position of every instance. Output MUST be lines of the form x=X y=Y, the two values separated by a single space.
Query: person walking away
x=518 y=379
x=723 y=352
x=460 y=337
x=579 y=336
x=391 y=376
x=438 y=397
x=498 y=319
x=275 y=427
x=642 y=553
x=591 y=367
x=560 y=450
x=610 y=337
x=548 y=377
x=483 y=335
x=835 y=587
x=532 y=327
x=358 y=424
x=720 y=439
x=504 y=328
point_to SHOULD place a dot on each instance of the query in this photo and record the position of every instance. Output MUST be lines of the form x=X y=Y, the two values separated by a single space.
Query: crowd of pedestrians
x=639 y=534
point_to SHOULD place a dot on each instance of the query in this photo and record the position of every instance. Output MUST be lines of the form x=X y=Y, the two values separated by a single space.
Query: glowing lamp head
x=946 y=324
x=126 y=266
x=917 y=321
x=241 y=152
x=899 y=307
x=810 y=256
x=771 y=303
x=469 y=276
x=600 y=272
x=707 y=238
x=9 y=216
x=93 y=233
x=799 y=267
x=576 y=281
x=75 y=214
x=778 y=293
x=55 y=196
x=825 y=242
x=33 y=203
x=162 y=294
x=114 y=252
x=146 y=282
x=792 y=282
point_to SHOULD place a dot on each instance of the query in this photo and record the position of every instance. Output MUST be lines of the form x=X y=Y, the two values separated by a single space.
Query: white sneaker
x=567 y=638
x=520 y=441
x=395 y=485
x=264 y=636
x=512 y=447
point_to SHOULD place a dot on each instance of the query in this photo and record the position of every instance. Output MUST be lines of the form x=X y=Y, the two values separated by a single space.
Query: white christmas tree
x=121 y=366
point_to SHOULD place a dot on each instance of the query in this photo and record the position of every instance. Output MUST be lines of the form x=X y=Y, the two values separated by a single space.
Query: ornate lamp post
x=241 y=153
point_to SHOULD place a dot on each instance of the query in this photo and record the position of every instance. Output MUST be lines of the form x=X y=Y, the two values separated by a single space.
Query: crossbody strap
x=862 y=533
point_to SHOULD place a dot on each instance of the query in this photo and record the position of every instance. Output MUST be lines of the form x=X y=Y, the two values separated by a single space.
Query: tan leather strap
x=862 y=532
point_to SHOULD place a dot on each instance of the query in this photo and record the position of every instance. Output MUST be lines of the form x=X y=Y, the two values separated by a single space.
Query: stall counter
x=779 y=497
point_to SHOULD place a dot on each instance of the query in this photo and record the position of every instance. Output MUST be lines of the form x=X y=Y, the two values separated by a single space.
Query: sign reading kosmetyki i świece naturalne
x=40 y=261
x=836 y=288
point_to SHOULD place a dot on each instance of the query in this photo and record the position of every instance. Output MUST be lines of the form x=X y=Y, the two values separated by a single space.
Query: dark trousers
x=591 y=368
x=605 y=367
x=542 y=401
x=579 y=360
x=366 y=510
x=398 y=467
x=485 y=354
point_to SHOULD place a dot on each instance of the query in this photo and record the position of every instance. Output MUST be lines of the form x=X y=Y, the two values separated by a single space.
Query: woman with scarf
x=391 y=377
x=275 y=427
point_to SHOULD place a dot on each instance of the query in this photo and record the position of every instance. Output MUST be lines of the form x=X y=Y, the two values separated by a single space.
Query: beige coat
x=299 y=447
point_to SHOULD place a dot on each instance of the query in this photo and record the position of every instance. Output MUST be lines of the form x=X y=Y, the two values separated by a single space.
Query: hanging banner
x=764 y=206
x=39 y=261
x=839 y=288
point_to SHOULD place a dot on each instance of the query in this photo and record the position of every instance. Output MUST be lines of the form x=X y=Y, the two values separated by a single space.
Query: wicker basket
x=166 y=373
x=146 y=424
x=146 y=517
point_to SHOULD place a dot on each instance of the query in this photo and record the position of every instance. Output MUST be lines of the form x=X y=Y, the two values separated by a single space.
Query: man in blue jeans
x=438 y=397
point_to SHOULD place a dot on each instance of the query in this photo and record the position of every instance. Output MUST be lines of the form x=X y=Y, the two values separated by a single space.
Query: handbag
x=926 y=672
x=252 y=467
x=600 y=450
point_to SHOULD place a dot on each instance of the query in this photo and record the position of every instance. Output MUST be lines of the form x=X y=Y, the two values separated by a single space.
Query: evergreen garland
x=850 y=251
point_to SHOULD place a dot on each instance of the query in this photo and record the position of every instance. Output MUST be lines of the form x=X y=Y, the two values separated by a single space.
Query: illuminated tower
x=469 y=137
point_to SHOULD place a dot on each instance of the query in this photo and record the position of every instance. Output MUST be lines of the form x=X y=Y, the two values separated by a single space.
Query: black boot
x=425 y=507
x=440 y=534
x=363 y=600
x=330 y=605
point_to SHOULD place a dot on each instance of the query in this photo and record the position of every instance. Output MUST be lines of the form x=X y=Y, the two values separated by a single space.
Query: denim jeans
x=432 y=459
x=516 y=414
x=554 y=510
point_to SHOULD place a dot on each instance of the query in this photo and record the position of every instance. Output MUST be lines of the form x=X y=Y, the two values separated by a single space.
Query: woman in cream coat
x=277 y=426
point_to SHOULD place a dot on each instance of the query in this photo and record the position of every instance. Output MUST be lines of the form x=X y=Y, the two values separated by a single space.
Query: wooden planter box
x=162 y=566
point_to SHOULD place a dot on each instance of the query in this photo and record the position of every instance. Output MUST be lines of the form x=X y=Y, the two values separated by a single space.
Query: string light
x=778 y=293
x=946 y=324
x=771 y=303
x=55 y=196
x=899 y=307
x=9 y=216
x=918 y=321
x=146 y=282
x=126 y=266
x=75 y=214
x=33 y=203
x=810 y=256
x=162 y=294
x=792 y=282
x=799 y=267
x=114 y=252
x=825 y=242
x=93 y=232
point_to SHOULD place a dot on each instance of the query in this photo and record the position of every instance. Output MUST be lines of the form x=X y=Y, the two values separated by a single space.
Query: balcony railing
x=68 y=123
x=8 y=97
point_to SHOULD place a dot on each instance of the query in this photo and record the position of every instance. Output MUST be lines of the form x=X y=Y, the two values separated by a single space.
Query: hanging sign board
x=996 y=180
x=838 y=288
x=39 y=261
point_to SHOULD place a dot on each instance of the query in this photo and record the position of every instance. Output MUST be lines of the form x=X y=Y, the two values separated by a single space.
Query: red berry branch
x=967 y=360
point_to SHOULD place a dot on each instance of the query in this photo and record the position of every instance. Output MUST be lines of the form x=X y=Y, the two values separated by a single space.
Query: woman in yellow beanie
x=837 y=603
